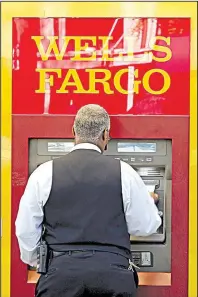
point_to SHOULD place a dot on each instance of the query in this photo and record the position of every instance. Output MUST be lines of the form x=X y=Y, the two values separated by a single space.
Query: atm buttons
x=149 y=159
x=140 y=159
x=132 y=159
x=125 y=159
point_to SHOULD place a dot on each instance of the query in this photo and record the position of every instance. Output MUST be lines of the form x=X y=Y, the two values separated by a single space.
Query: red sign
x=129 y=66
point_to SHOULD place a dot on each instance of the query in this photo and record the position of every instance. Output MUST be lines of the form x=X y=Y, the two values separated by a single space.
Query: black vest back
x=85 y=206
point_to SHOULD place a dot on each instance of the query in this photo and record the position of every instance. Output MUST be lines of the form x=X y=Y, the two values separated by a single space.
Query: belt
x=57 y=254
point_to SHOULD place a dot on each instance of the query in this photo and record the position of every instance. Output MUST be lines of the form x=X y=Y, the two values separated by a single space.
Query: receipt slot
x=152 y=160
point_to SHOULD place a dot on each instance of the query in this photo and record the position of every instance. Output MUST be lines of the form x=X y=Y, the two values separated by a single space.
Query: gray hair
x=90 y=121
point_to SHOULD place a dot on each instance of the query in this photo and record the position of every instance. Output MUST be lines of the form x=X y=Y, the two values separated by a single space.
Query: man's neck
x=87 y=145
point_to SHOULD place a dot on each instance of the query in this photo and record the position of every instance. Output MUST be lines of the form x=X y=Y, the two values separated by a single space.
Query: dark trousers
x=87 y=274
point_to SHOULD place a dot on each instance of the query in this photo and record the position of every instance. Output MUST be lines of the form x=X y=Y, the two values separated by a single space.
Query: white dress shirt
x=140 y=211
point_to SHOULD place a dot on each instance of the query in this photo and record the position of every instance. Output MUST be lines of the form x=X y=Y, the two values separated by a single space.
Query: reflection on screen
x=60 y=147
x=126 y=147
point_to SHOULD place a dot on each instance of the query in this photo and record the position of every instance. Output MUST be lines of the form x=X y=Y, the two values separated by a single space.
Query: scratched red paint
x=29 y=122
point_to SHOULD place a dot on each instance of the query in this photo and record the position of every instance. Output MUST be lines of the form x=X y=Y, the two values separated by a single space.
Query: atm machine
x=152 y=159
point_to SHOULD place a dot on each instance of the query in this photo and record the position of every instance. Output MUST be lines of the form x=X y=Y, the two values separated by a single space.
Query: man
x=89 y=204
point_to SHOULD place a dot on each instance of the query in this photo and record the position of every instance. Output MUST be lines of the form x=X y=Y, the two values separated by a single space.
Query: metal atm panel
x=152 y=160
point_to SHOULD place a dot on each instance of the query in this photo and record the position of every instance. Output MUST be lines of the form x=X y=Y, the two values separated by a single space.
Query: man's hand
x=154 y=196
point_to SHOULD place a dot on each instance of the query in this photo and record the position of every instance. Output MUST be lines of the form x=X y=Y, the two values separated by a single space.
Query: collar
x=86 y=146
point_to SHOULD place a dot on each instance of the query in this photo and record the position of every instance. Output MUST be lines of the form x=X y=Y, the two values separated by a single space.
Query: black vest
x=85 y=206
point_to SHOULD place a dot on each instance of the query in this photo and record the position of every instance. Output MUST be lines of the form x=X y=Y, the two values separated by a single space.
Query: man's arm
x=30 y=214
x=140 y=210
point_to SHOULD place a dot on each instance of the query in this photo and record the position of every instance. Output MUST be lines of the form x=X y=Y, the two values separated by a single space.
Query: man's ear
x=105 y=135
x=73 y=131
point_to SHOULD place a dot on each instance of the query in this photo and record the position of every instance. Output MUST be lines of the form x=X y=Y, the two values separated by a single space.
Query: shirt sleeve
x=30 y=214
x=140 y=210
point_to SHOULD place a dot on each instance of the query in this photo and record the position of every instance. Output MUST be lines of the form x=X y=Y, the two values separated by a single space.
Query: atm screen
x=58 y=147
x=129 y=147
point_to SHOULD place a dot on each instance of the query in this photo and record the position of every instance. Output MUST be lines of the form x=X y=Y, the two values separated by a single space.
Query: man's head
x=91 y=125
